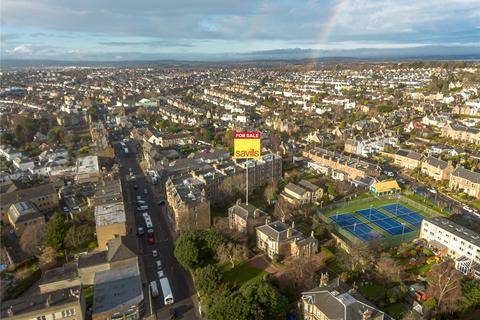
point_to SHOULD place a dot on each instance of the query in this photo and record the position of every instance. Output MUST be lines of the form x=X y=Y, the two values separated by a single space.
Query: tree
x=444 y=285
x=389 y=268
x=94 y=113
x=271 y=303
x=228 y=305
x=359 y=257
x=32 y=238
x=186 y=251
x=471 y=294
x=56 y=231
x=270 y=191
x=78 y=235
x=284 y=210
x=48 y=258
x=300 y=274
x=56 y=135
x=208 y=279
x=232 y=188
x=7 y=138
x=231 y=252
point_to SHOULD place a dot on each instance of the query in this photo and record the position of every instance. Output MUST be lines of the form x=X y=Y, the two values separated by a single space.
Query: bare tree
x=32 y=238
x=232 y=188
x=388 y=268
x=48 y=258
x=231 y=235
x=359 y=256
x=270 y=191
x=284 y=210
x=444 y=284
x=231 y=252
x=300 y=274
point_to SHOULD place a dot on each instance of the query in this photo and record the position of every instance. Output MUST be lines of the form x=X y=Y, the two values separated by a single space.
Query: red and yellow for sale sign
x=246 y=145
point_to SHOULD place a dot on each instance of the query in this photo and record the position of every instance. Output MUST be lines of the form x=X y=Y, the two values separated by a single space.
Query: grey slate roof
x=438 y=163
x=409 y=154
x=466 y=174
x=337 y=301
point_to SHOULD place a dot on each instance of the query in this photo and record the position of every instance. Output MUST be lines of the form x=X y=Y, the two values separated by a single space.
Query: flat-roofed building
x=118 y=294
x=457 y=241
x=187 y=199
x=110 y=221
x=23 y=214
x=87 y=169
x=68 y=304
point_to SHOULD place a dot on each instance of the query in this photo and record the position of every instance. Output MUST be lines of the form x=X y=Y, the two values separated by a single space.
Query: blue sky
x=212 y=29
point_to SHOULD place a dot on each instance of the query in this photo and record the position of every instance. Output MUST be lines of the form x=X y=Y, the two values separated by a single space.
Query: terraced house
x=466 y=181
x=437 y=168
x=408 y=159
x=333 y=164
x=461 y=133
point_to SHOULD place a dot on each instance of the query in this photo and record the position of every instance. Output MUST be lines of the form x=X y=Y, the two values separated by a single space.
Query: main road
x=185 y=305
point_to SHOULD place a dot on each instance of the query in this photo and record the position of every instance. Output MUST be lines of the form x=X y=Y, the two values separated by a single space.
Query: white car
x=155 y=253
x=159 y=264
x=467 y=208
x=160 y=274
x=139 y=198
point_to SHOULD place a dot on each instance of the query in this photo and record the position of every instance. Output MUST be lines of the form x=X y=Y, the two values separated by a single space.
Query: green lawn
x=475 y=204
x=242 y=273
x=372 y=292
x=396 y=310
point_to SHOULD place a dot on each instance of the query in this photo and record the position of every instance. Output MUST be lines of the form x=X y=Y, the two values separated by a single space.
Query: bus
x=150 y=230
x=154 y=288
x=166 y=290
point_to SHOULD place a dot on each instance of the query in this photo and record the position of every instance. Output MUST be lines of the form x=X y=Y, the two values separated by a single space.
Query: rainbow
x=328 y=27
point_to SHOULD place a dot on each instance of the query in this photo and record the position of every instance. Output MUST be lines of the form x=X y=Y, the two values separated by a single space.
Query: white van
x=154 y=288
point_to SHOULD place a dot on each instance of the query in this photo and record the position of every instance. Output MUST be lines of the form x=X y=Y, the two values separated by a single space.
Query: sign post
x=246 y=145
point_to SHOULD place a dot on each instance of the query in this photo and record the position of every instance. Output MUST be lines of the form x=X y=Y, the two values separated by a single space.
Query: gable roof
x=120 y=248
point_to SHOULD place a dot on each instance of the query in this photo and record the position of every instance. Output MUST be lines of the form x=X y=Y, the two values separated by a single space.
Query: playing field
x=378 y=220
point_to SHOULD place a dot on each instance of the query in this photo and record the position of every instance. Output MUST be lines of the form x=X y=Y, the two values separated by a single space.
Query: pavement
x=186 y=304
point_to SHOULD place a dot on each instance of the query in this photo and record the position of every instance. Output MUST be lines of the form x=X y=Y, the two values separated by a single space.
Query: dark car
x=173 y=314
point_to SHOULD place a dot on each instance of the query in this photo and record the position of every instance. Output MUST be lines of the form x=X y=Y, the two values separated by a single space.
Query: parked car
x=159 y=264
x=155 y=253
x=145 y=191
x=140 y=231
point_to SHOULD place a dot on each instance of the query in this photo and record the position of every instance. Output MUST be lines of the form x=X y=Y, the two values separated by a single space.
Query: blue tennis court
x=385 y=222
x=356 y=227
x=404 y=213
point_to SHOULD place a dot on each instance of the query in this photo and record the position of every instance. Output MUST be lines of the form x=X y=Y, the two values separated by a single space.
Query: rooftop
x=456 y=229
x=25 y=305
x=115 y=289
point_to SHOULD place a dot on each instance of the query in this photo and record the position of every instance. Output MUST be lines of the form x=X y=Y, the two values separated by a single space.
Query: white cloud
x=22 y=50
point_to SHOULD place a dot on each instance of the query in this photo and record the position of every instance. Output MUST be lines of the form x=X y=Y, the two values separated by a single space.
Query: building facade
x=466 y=181
x=279 y=240
x=460 y=243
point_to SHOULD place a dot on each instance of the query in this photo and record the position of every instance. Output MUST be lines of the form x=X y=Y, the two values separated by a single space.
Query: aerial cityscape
x=240 y=160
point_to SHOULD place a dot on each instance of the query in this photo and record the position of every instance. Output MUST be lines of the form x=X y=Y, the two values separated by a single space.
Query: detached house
x=336 y=300
x=465 y=180
x=279 y=239
x=437 y=168
x=245 y=217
